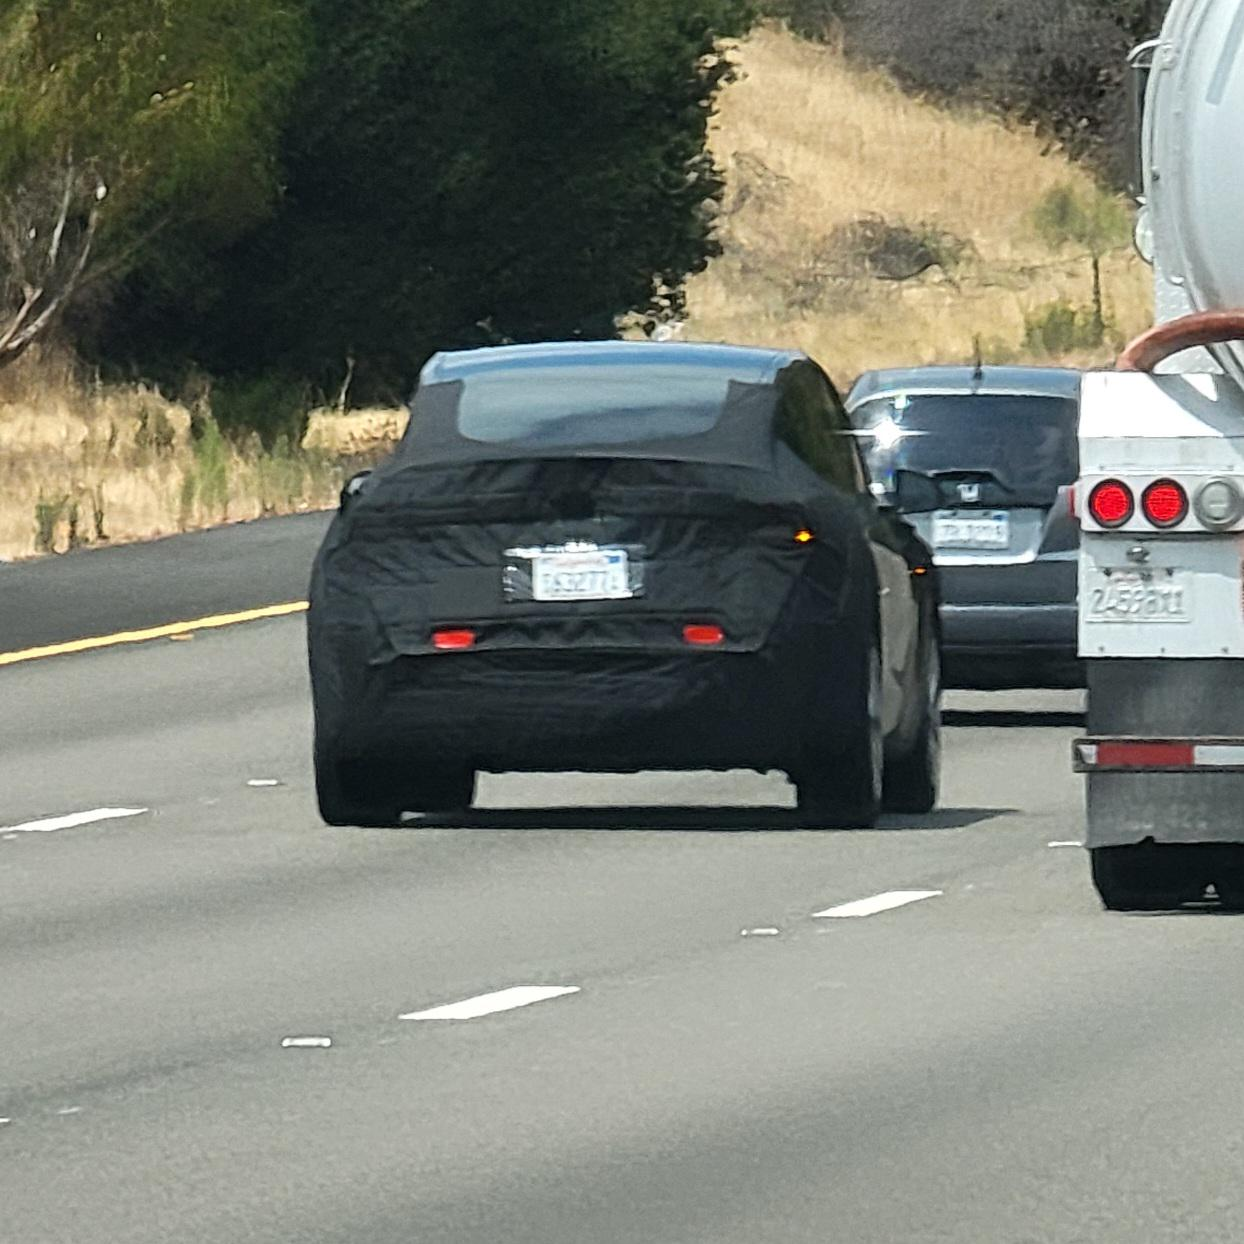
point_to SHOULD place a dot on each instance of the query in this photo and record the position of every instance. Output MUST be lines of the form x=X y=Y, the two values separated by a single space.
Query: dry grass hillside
x=84 y=464
x=841 y=187
x=841 y=190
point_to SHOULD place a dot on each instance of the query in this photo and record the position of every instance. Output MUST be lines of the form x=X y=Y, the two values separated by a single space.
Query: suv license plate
x=602 y=574
x=1127 y=597
x=971 y=529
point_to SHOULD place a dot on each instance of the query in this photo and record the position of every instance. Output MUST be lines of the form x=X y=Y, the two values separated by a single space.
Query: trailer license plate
x=601 y=574
x=1125 y=597
x=971 y=529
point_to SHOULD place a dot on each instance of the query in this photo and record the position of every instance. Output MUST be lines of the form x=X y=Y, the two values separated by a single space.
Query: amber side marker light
x=804 y=536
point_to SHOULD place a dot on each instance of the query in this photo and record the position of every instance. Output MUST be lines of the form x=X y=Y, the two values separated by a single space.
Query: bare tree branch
x=58 y=234
x=48 y=229
x=27 y=336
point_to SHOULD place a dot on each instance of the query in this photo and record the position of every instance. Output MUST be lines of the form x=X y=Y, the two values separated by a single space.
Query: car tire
x=438 y=791
x=912 y=778
x=338 y=808
x=1228 y=877
x=843 y=789
x=1146 y=876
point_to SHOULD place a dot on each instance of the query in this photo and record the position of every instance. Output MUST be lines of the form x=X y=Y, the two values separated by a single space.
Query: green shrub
x=271 y=406
x=211 y=455
x=48 y=514
x=1061 y=327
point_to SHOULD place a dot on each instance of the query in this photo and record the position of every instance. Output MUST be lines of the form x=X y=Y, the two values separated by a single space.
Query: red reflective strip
x=1144 y=755
x=704 y=636
x=453 y=641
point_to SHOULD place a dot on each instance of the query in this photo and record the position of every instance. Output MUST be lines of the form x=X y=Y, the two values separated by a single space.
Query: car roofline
x=874 y=395
x=768 y=362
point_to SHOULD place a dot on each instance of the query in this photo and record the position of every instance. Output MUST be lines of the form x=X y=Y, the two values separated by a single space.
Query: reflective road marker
x=878 y=903
x=491 y=1003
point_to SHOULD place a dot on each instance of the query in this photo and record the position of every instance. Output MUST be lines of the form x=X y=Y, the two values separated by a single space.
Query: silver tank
x=1194 y=177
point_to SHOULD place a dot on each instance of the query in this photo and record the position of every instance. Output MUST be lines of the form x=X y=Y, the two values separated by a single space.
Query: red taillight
x=1165 y=504
x=1111 y=504
x=704 y=635
x=453 y=641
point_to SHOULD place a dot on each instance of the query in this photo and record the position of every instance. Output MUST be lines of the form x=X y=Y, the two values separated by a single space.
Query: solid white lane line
x=878 y=903
x=491 y=1003
x=51 y=824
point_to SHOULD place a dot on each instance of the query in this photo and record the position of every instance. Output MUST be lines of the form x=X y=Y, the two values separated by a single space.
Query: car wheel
x=1228 y=875
x=842 y=789
x=1147 y=876
x=912 y=779
x=339 y=806
x=427 y=790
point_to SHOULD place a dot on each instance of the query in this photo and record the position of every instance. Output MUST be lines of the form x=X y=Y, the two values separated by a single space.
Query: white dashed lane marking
x=53 y=823
x=490 y=1003
x=873 y=906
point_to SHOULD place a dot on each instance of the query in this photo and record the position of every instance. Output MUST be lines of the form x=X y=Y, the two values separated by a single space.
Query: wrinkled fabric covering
x=708 y=522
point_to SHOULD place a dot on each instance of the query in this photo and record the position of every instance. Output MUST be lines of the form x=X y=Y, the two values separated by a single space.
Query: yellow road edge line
x=211 y=623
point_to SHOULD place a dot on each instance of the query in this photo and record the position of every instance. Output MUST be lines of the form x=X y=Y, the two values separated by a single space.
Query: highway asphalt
x=996 y=1061
x=100 y=591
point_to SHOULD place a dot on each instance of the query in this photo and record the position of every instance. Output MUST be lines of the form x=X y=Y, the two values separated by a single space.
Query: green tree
x=1098 y=222
x=125 y=121
x=467 y=171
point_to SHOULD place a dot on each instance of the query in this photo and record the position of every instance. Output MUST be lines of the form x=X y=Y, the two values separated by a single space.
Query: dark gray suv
x=982 y=461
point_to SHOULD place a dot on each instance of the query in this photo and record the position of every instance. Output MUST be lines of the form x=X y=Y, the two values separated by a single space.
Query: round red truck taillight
x=1111 y=503
x=1164 y=503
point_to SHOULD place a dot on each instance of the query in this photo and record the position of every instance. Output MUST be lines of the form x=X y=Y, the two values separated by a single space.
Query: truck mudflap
x=1128 y=754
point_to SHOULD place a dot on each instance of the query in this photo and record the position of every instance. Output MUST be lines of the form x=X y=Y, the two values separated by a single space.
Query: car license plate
x=599 y=574
x=971 y=529
x=1126 y=596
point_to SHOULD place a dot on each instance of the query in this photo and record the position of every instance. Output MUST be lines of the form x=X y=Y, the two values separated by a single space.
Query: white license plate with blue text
x=599 y=574
x=971 y=529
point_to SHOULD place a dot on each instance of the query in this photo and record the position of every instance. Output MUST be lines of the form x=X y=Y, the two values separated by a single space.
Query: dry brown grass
x=811 y=144
x=84 y=464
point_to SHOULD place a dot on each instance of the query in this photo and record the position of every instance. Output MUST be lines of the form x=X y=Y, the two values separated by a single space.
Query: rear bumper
x=1017 y=629
x=1011 y=608
x=994 y=647
x=1164 y=756
x=598 y=712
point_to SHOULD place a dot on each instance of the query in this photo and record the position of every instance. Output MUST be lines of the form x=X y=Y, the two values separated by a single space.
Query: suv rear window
x=567 y=406
x=1027 y=443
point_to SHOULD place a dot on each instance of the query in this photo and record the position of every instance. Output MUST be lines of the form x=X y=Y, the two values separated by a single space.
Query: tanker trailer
x=1161 y=501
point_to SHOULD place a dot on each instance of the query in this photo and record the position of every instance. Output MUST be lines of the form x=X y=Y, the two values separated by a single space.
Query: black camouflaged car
x=622 y=557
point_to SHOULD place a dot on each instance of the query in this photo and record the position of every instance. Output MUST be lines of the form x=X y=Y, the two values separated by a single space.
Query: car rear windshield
x=566 y=406
x=1026 y=443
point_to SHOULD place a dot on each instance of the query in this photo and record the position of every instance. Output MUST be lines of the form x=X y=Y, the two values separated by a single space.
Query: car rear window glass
x=1027 y=443
x=565 y=406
